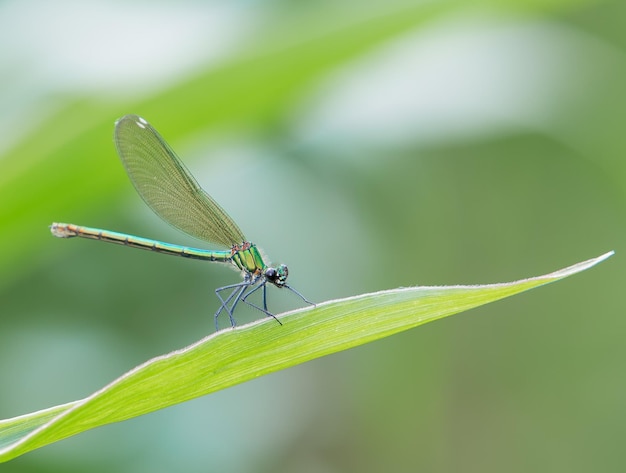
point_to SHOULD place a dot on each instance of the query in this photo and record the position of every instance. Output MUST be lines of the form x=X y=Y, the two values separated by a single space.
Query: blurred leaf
x=53 y=168
x=230 y=357
x=60 y=165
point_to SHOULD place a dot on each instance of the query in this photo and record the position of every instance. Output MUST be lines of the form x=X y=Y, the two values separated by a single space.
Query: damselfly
x=169 y=189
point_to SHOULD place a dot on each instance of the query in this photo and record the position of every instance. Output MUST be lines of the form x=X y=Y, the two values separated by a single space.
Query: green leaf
x=232 y=356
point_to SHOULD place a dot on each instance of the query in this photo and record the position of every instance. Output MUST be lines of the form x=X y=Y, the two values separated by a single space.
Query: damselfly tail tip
x=61 y=230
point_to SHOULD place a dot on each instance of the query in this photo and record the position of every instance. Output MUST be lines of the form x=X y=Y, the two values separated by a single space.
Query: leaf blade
x=233 y=356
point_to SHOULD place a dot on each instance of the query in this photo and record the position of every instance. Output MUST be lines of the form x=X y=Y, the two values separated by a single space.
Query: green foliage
x=542 y=385
x=230 y=357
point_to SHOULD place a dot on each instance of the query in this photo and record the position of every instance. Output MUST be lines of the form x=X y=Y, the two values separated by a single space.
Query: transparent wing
x=166 y=185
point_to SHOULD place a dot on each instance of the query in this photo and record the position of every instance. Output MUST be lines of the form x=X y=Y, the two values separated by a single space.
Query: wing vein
x=167 y=186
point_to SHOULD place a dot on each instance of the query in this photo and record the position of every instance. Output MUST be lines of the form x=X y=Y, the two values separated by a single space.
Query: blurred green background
x=369 y=145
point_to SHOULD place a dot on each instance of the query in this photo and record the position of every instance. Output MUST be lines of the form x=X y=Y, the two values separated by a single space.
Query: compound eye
x=271 y=274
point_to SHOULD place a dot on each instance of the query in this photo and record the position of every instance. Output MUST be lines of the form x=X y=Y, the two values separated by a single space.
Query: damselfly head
x=277 y=276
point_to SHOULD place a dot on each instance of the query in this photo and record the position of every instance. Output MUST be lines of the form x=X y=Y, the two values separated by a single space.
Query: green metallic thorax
x=248 y=258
